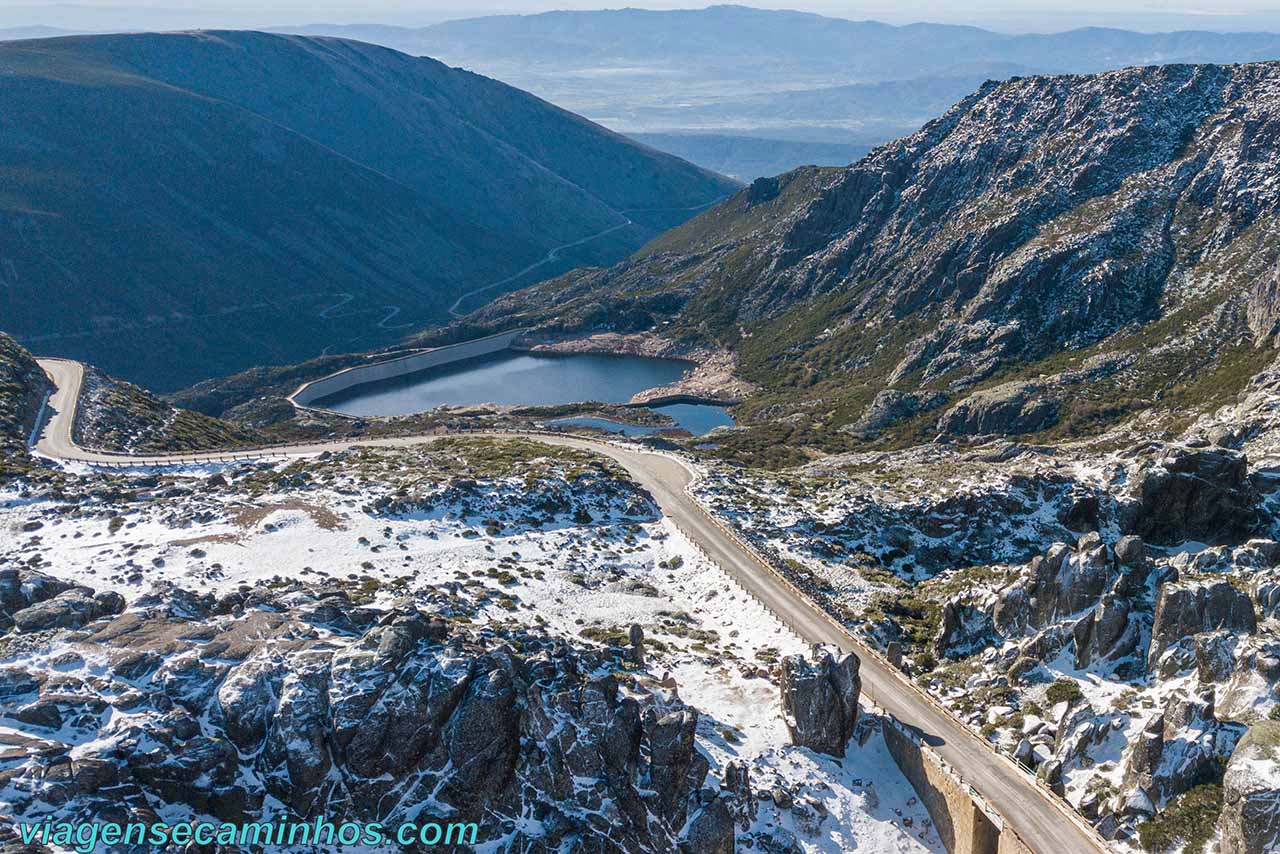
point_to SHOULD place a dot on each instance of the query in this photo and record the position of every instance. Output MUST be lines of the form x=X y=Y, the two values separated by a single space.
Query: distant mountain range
x=737 y=71
x=733 y=71
x=757 y=40
x=1051 y=255
x=180 y=206
x=747 y=157
x=34 y=32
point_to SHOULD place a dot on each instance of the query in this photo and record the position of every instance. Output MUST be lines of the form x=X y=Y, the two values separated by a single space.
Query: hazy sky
x=1028 y=15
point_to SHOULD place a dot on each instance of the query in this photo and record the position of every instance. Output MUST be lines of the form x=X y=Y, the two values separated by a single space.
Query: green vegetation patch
x=1187 y=823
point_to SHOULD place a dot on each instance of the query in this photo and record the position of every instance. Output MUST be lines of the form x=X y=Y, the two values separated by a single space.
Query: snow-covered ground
x=587 y=580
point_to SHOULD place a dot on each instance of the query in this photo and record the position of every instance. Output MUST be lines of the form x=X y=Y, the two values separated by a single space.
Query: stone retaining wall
x=963 y=825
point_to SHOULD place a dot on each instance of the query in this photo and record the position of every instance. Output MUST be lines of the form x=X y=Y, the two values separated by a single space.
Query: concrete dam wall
x=348 y=378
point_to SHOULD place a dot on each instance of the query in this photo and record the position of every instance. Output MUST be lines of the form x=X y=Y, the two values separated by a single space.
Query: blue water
x=606 y=425
x=697 y=418
x=527 y=379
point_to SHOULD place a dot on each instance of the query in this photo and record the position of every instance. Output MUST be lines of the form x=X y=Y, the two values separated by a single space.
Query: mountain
x=800 y=77
x=247 y=198
x=1050 y=256
x=23 y=386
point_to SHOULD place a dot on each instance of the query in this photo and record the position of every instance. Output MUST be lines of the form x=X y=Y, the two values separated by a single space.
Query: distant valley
x=749 y=157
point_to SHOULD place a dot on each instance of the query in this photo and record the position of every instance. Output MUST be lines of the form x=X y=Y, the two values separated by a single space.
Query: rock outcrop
x=301 y=696
x=1009 y=409
x=1250 y=819
x=820 y=700
x=22 y=588
x=891 y=406
x=1109 y=633
x=1186 y=608
x=23 y=385
x=1178 y=748
x=1201 y=494
x=70 y=609
x=1062 y=583
x=1252 y=688
x=966 y=628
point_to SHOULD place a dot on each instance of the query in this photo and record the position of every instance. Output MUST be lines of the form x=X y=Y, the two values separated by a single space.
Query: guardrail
x=764 y=561
x=778 y=572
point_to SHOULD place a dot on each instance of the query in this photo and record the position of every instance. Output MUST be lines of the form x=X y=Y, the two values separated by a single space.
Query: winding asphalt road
x=1043 y=823
x=550 y=258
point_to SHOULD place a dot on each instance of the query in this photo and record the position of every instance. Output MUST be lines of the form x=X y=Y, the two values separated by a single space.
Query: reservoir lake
x=534 y=379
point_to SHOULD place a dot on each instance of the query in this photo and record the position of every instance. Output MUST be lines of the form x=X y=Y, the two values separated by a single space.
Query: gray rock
x=891 y=406
x=1266 y=594
x=1250 y=819
x=1215 y=656
x=1090 y=806
x=1060 y=584
x=1178 y=748
x=1192 y=494
x=1050 y=773
x=70 y=609
x=22 y=588
x=820 y=700
x=1012 y=408
x=710 y=831
x=1256 y=679
x=965 y=629
x=636 y=638
x=1130 y=551
x=1110 y=633
x=1188 y=608
x=1023 y=753
x=1138 y=805
x=742 y=800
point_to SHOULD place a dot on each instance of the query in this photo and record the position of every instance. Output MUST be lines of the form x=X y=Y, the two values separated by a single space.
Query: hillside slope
x=23 y=386
x=247 y=198
x=1052 y=254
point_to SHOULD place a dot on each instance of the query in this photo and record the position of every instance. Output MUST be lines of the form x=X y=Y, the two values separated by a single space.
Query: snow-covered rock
x=1251 y=793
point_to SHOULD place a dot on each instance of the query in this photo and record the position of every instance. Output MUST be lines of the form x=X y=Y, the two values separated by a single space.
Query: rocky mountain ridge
x=1052 y=254
x=23 y=386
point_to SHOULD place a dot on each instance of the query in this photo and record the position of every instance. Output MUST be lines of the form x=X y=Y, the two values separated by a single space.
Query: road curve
x=1043 y=823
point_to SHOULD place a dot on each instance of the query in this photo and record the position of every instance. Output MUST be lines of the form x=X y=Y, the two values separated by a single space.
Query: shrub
x=1064 y=690
x=1187 y=822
